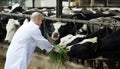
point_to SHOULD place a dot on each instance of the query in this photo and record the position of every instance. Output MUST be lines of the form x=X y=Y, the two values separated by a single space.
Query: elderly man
x=24 y=42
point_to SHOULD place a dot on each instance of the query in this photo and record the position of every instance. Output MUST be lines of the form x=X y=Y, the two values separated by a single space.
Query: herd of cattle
x=82 y=41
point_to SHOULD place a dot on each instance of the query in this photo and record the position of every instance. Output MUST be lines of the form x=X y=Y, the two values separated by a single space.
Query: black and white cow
x=12 y=27
x=60 y=29
x=16 y=8
x=3 y=22
x=87 y=47
x=70 y=40
x=4 y=19
x=108 y=47
x=83 y=50
x=90 y=28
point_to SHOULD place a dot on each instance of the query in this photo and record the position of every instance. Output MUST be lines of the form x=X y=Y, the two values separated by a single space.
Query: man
x=24 y=42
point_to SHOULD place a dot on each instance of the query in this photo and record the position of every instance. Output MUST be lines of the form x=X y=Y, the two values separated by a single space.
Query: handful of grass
x=59 y=57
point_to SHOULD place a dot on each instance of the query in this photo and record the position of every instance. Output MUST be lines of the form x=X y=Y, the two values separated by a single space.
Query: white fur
x=93 y=40
x=91 y=10
x=14 y=6
x=74 y=37
x=114 y=9
x=63 y=40
x=25 y=21
x=11 y=29
x=67 y=10
x=106 y=12
x=84 y=27
x=76 y=9
x=68 y=39
x=68 y=48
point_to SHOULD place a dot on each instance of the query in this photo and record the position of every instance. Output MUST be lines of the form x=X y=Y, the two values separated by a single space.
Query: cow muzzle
x=55 y=36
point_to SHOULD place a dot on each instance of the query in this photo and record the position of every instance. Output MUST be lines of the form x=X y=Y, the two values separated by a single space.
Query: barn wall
x=48 y=3
x=29 y=3
x=114 y=2
x=37 y=3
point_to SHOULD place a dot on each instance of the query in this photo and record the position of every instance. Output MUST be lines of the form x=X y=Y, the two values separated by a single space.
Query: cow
x=12 y=27
x=61 y=29
x=83 y=50
x=16 y=8
x=107 y=47
x=81 y=15
x=3 y=22
x=90 y=28
x=70 y=40
x=87 y=42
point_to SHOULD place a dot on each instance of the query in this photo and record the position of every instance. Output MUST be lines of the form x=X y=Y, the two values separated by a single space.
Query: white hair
x=36 y=15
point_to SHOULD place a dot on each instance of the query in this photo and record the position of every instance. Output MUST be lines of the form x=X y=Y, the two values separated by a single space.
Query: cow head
x=63 y=40
x=58 y=27
x=60 y=30
x=11 y=28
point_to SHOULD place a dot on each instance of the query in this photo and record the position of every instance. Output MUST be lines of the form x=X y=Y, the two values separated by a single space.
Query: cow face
x=58 y=27
x=70 y=40
x=11 y=28
x=65 y=39
x=60 y=30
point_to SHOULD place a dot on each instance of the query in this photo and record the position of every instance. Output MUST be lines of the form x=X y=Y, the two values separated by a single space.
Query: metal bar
x=33 y=3
x=59 y=8
x=12 y=14
x=106 y=3
x=92 y=2
x=65 y=20
x=69 y=1
x=82 y=21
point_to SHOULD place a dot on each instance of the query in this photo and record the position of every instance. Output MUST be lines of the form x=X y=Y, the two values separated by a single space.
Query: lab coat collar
x=34 y=24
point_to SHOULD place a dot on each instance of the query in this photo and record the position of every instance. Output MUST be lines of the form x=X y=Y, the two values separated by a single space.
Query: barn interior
x=88 y=30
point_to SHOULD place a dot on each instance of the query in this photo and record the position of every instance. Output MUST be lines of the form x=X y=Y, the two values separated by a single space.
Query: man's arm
x=41 y=42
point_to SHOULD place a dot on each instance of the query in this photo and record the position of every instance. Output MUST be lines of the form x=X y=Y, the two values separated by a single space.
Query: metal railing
x=64 y=19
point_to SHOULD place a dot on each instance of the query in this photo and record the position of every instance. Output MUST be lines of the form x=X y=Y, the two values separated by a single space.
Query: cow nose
x=62 y=46
x=56 y=35
x=67 y=49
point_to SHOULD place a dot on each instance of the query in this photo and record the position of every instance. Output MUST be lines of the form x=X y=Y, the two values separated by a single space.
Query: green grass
x=59 y=58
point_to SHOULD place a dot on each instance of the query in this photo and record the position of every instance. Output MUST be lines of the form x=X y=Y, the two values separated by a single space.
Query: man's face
x=39 y=21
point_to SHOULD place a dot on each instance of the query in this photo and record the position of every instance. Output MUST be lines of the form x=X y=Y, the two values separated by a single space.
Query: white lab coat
x=23 y=44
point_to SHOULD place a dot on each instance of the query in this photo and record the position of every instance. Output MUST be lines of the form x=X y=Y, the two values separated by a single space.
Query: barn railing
x=65 y=19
